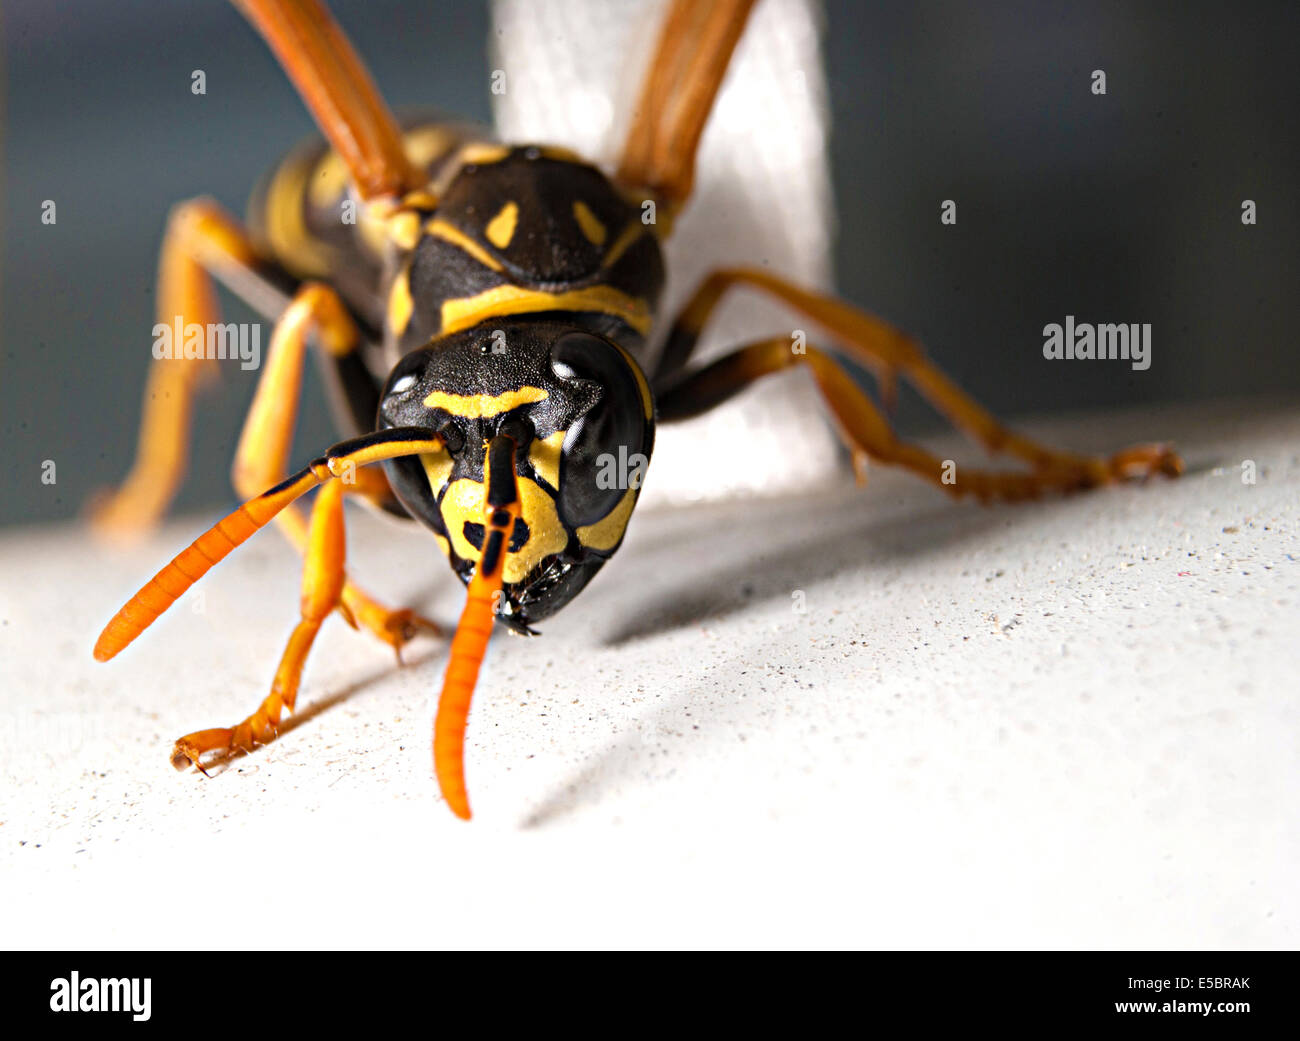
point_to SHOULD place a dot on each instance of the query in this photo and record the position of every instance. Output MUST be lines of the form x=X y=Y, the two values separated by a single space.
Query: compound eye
x=406 y=375
x=401 y=403
x=606 y=450
x=402 y=384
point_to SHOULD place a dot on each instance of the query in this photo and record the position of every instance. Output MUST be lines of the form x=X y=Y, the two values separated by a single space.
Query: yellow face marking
x=546 y=535
x=590 y=224
x=507 y=300
x=450 y=233
x=404 y=229
x=626 y=238
x=286 y=229
x=400 y=304
x=501 y=228
x=544 y=454
x=606 y=532
x=437 y=468
x=483 y=406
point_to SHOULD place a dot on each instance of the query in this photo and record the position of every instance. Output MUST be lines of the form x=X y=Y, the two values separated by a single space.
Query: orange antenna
x=500 y=511
x=210 y=548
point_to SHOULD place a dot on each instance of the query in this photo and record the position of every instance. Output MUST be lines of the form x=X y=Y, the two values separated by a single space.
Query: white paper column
x=762 y=197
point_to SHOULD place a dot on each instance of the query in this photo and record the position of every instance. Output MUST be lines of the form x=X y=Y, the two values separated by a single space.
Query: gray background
x=1123 y=208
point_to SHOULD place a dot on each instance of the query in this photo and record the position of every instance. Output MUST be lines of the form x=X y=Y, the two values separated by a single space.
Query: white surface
x=1071 y=723
x=762 y=198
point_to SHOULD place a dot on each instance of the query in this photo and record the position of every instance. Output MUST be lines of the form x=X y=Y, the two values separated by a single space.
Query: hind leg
x=200 y=237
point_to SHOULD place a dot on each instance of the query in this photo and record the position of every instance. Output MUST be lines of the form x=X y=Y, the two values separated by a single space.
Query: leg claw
x=402 y=627
x=190 y=749
x=395 y=628
x=1144 y=461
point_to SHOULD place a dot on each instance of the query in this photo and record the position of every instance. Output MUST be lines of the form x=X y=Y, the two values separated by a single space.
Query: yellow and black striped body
x=512 y=294
x=500 y=230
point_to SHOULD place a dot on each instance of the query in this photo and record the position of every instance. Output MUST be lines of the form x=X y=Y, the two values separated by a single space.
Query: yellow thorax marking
x=661 y=224
x=483 y=406
x=501 y=228
x=400 y=304
x=471 y=153
x=506 y=300
x=420 y=199
x=328 y=181
x=450 y=233
x=480 y=153
x=626 y=238
x=372 y=226
x=563 y=155
x=590 y=224
x=404 y=229
x=426 y=144
x=286 y=228
x=606 y=532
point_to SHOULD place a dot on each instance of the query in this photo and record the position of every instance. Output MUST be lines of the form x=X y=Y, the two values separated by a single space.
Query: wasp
x=484 y=320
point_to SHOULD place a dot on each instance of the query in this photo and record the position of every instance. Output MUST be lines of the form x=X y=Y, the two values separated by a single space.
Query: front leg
x=262 y=457
x=889 y=353
x=322 y=589
x=867 y=432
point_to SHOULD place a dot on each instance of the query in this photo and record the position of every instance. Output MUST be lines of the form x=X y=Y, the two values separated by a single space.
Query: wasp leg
x=261 y=460
x=322 y=588
x=867 y=432
x=200 y=238
x=338 y=91
x=889 y=353
x=233 y=530
x=690 y=60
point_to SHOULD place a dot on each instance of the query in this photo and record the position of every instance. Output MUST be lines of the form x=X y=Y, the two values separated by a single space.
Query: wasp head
x=580 y=413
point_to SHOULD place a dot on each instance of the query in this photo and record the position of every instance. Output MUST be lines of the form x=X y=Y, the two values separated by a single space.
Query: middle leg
x=322 y=589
